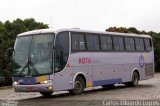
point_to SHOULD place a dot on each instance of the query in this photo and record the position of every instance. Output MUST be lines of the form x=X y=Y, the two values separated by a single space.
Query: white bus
x=50 y=60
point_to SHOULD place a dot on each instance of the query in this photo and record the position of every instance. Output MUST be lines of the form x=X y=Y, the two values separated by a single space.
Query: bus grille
x=149 y=69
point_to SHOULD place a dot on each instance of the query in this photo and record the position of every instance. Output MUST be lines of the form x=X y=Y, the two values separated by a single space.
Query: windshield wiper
x=23 y=68
x=27 y=64
x=32 y=65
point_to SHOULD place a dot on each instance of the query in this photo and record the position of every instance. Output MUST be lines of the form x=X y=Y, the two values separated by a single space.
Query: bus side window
x=142 y=44
x=78 y=42
x=129 y=44
x=121 y=43
x=139 y=44
x=109 y=42
x=61 y=51
x=148 y=44
x=132 y=44
x=118 y=43
x=106 y=42
x=92 y=42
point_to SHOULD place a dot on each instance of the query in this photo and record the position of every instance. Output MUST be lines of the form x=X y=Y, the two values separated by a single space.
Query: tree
x=120 y=29
x=133 y=30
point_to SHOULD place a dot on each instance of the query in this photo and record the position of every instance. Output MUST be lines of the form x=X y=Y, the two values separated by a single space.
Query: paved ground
x=147 y=90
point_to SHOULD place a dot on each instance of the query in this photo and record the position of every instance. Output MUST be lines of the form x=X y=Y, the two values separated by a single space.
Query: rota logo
x=85 y=60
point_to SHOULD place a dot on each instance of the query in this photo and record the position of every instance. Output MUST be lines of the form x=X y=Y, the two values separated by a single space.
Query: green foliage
x=155 y=37
x=8 y=32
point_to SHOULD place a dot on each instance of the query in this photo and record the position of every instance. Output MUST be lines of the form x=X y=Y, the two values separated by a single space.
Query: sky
x=86 y=14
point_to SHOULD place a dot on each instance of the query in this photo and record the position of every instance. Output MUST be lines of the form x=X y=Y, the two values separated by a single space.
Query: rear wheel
x=46 y=93
x=135 y=80
x=79 y=86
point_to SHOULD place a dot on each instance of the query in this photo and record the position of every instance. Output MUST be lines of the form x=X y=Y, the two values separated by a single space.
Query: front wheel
x=46 y=93
x=79 y=86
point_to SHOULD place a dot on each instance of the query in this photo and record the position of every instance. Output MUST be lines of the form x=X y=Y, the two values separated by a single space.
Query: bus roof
x=42 y=31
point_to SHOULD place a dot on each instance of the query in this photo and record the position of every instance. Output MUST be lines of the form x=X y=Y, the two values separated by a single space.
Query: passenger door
x=62 y=72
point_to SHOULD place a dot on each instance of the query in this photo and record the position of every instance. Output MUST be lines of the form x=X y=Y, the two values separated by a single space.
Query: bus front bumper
x=34 y=88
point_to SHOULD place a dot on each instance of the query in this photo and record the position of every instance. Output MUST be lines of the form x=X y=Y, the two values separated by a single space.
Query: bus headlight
x=15 y=83
x=46 y=82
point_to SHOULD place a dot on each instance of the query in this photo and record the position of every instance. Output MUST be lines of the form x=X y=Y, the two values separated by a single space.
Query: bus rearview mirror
x=8 y=54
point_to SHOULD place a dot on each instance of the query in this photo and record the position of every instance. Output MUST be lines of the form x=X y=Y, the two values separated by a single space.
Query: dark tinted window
x=142 y=44
x=61 y=51
x=121 y=43
x=78 y=42
x=118 y=43
x=129 y=44
x=148 y=44
x=92 y=42
x=139 y=44
x=132 y=44
x=106 y=42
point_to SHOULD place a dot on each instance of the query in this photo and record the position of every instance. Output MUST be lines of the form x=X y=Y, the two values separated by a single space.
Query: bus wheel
x=135 y=80
x=78 y=87
x=46 y=93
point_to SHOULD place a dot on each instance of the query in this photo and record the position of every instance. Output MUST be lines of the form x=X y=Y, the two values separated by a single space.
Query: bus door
x=62 y=70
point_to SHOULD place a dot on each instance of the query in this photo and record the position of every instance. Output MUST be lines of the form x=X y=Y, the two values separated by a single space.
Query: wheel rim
x=78 y=86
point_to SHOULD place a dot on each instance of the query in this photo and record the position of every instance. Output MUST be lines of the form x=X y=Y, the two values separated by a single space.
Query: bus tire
x=135 y=80
x=79 y=86
x=46 y=94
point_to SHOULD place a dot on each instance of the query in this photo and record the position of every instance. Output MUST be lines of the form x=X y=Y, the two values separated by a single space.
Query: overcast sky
x=86 y=14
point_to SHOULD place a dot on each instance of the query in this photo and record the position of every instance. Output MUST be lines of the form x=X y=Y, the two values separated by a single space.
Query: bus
x=49 y=60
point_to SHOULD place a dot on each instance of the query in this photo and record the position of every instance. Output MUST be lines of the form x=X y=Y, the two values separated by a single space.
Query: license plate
x=29 y=89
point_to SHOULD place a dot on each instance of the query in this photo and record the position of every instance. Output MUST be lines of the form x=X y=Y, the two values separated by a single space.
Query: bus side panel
x=117 y=67
x=149 y=64
x=63 y=80
x=108 y=68
x=103 y=68
x=81 y=63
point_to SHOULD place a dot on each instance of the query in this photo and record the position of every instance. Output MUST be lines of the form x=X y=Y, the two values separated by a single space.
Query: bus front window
x=20 y=56
x=41 y=54
x=38 y=58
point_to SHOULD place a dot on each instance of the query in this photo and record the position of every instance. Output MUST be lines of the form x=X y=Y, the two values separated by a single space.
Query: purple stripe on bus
x=107 y=82
x=25 y=81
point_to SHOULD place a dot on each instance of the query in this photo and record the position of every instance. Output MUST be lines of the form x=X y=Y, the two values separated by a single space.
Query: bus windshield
x=33 y=55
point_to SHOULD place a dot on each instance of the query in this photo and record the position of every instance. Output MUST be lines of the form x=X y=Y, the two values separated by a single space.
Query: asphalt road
x=147 y=92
